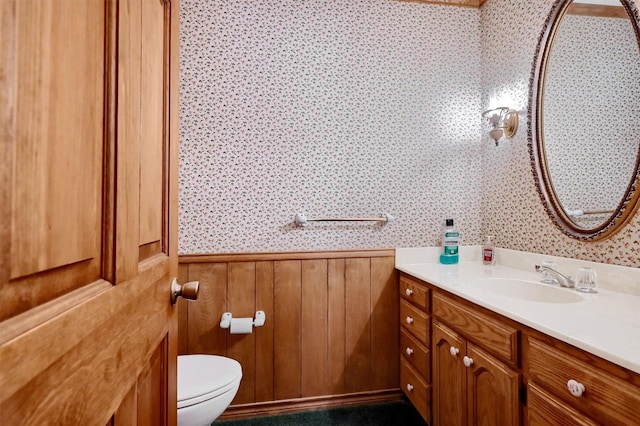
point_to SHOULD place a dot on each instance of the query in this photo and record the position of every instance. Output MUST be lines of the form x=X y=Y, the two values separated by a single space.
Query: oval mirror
x=584 y=116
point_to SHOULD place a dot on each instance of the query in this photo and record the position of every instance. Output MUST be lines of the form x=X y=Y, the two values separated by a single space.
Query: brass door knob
x=188 y=290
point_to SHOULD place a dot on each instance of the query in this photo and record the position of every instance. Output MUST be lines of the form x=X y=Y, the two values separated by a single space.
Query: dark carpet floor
x=388 y=414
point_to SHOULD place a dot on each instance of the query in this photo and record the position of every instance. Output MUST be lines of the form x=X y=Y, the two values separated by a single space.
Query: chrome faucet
x=563 y=280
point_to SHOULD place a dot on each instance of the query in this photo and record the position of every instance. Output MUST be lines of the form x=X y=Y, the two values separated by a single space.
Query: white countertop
x=606 y=324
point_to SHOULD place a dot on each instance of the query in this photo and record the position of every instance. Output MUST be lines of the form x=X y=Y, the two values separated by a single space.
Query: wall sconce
x=504 y=122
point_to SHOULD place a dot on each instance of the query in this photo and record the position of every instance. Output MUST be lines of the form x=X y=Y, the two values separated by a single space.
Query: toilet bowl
x=206 y=387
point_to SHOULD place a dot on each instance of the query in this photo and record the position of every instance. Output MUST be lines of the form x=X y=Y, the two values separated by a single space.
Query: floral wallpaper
x=357 y=107
x=511 y=207
x=327 y=108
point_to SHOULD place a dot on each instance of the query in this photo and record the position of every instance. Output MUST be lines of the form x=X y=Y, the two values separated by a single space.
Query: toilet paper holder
x=258 y=321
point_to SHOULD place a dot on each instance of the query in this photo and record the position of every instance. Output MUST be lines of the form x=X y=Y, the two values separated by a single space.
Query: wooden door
x=492 y=391
x=88 y=217
x=449 y=377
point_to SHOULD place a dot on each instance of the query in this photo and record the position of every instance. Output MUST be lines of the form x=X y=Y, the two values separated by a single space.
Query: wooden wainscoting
x=331 y=331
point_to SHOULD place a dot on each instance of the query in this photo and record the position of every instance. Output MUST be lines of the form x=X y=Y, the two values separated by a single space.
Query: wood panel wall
x=331 y=329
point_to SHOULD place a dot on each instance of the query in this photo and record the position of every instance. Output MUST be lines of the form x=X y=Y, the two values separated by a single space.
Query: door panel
x=129 y=124
x=55 y=65
x=58 y=180
x=89 y=178
x=152 y=396
x=152 y=170
x=127 y=411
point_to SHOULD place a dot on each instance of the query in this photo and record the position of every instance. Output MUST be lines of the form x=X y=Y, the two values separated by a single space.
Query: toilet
x=206 y=387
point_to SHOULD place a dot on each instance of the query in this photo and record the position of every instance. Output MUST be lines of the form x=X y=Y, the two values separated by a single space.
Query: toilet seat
x=202 y=377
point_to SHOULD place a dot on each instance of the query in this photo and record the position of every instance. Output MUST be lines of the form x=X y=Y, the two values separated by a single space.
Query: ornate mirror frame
x=631 y=199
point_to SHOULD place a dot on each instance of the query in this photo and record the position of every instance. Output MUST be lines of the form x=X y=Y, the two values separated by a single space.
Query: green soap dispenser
x=450 y=242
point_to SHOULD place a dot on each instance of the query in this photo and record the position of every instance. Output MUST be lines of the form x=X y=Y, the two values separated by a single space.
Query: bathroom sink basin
x=528 y=290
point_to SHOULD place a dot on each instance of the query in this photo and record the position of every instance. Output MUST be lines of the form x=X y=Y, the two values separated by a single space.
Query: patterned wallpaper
x=591 y=112
x=327 y=108
x=511 y=207
x=353 y=107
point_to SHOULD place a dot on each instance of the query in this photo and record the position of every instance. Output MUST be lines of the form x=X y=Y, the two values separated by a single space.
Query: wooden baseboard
x=314 y=403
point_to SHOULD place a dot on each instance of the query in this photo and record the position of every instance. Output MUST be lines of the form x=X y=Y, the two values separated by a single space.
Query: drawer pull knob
x=454 y=351
x=409 y=351
x=408 y=292
x=409 y=320
x=468 y=362
x=409 y=387
x=576 y=388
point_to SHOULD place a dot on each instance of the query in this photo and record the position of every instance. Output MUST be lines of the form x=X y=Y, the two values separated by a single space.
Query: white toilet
x=206 y=386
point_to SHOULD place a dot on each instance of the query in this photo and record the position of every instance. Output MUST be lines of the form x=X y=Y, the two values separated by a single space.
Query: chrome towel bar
x=578 y=213
x=302 y=220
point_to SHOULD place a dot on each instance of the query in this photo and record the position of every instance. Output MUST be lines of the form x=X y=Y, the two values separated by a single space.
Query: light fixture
x=504 y=122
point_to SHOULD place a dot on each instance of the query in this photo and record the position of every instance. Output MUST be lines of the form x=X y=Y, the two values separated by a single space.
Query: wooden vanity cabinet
x=514 y=375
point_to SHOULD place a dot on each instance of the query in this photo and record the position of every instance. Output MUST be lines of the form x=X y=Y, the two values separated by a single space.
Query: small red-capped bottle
x=488 y=252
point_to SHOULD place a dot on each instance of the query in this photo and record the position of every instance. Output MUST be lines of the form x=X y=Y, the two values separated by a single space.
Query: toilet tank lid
x=202 y=374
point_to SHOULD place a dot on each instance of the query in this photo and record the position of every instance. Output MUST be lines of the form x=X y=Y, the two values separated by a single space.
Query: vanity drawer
x=493 y=336
x=607 y=399
x=415 y=292
x=416 y=353
x=545 y=410
x=416 y=390
x=415 y=321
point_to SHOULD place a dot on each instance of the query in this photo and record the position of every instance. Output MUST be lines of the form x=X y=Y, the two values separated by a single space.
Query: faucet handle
x=547 y=264
x=550 y=274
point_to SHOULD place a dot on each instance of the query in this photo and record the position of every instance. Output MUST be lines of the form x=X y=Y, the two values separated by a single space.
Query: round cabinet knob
x=468 y=362
x=408 y=292
x=409 y=351
x=576 y=388
x=188 y=290
x=409 y=387
x=409 y=320
x=454 y=351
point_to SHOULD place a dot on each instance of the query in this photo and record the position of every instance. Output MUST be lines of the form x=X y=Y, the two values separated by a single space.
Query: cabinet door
x=492 y=390
x=449 y=377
